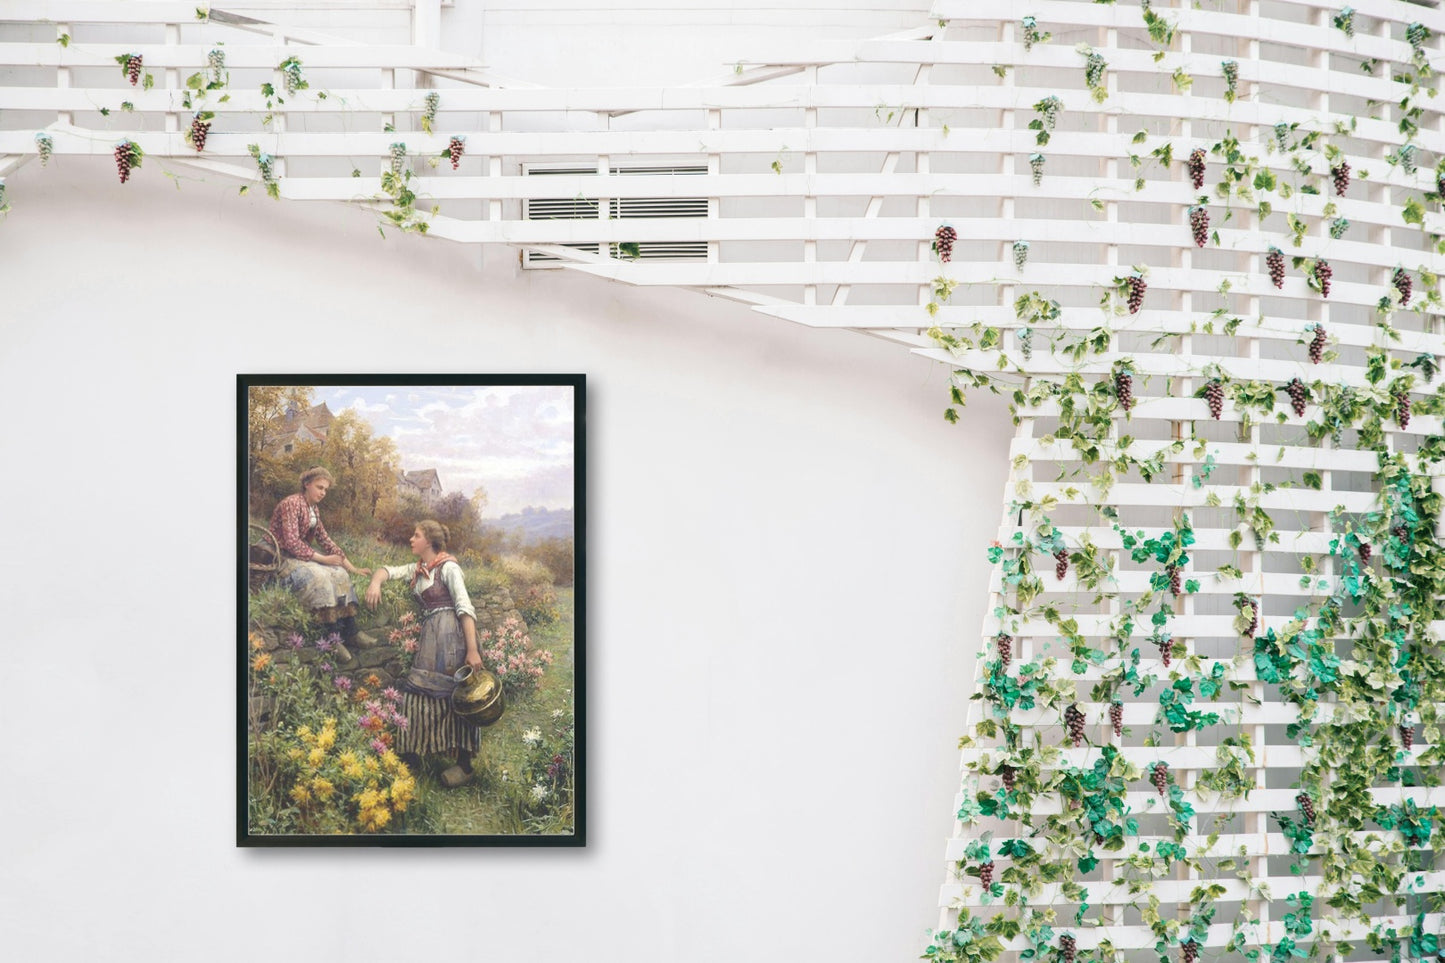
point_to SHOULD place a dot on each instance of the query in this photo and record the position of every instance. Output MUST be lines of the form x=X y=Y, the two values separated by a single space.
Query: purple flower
x=325 y=667
x=378 y=747
x=342 y=683
x=390 y=694
x=327 y=642
x=400 y=721
x=295 y=640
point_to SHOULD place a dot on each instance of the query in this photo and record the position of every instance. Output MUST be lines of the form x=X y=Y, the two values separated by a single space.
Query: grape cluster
x=1199 y=224
x=1188 y=951
x=1166 y=651
x=1440 y=183
x=1253 y=617
x=398 y=157
x=1317 y=345
x=1402 y=409
x=1196 y=167
x=1406 y=157
x=123 y=159
x=1067 y=948
x=429 y=112
x=1403 y=284
x=1214 y=394
x=1274 y=260
x=1306 y=806
x=1323 y=273
x=1298 y=395
x=1116 y=717
x=1365 y=553
x=199 y=130
x=1124 y=388
x=1137 y=287
x=291 y=75
x=1026 y=343
x=1074 y=719
x=1005 y=645
x=133 y=66
x=454 y=151
x=216 y=60
x=44 y=145
x=1400 y=532
x=1176 y=585
x=943 y=239
x=1021 y=254
x=1031 y=32
x=1338 y=227
x=1231 y=76
x=1009 y=777
x=1036 y=164
x=1340 y=174
x=985 y=873
x=1159 y=776
x=1094 y=70
x=1407 y=737
x=1061 y=564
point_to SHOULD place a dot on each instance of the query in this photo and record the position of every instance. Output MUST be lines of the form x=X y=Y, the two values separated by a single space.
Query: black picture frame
x=249 y=646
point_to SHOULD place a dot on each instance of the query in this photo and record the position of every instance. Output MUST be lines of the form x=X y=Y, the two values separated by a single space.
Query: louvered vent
x=621 y=208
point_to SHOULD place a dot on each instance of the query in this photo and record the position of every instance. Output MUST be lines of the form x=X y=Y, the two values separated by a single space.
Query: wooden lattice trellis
x=826 y=173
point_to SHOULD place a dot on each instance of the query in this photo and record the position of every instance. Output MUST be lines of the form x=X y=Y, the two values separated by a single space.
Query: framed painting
x=411 y=598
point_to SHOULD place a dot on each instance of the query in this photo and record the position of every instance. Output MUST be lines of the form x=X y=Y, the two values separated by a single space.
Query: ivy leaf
x=1413 y=212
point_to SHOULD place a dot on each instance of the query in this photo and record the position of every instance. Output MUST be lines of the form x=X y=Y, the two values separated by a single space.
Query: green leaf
x=1413 y=212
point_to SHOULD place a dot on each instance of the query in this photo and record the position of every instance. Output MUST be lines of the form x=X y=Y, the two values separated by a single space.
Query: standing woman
x=322 y=578
x=448 y=641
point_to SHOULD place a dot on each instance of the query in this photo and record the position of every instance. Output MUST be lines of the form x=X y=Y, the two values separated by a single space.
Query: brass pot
x=477 y=699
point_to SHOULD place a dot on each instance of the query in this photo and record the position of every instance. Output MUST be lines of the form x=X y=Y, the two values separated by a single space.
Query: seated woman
x=448 y=641
x=323 y=581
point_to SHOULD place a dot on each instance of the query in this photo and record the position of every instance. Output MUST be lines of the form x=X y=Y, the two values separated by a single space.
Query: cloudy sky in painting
x=513 y=440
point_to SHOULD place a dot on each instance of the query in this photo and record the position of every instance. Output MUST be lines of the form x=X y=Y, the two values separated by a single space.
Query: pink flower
x=378 y=747
x=390 y=694
x=372 y=706
x=342 y=683
x=409 y=645
x=325 y=667
x=401 y=721
x=295 y=640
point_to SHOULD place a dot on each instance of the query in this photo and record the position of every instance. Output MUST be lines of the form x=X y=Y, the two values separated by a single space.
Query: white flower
x=539 y=792
x=532 y=736
x=556 y=713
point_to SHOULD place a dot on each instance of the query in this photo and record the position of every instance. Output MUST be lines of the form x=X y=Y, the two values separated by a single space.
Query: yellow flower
x=370 y=799
x=294 y=753
x=390 y=761
x=261 y=661
x=322 y=787
x=376 y=818
x=316 y=757
x=305 y=733
x=329 y=722
x=327 y=739
x=403 y=790
x=299 y=793
x=372 y=765
x=257 y=642
x=347 y=758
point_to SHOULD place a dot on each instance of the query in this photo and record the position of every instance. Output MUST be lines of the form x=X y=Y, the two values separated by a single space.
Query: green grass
x=486 y=806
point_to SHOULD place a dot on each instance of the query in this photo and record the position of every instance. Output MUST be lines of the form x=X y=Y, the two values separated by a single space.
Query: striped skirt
x=433 y=728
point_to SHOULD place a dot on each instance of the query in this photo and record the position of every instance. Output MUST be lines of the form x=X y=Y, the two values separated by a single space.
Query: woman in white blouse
x=448 y=641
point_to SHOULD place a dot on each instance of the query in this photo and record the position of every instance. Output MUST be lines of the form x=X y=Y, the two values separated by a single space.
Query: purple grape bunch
x=1116 y=718
x=943 y=239
x=1274 y=260
x=1199 y=224
x=1137 y=286
x=1214 y=394
x=1402 y=408
x=985 y=873
x=1402 y=282
x=1340 y=174
x=455 y=148
x=1074 y=719
x=1061 y=564
x=1306 y=806
x=1004 y=643
x=1323 y=272
x=199 y=129
x=1124 y=388
x=1159 y=776
x=1317 y=345
x=1196 y=167
x=1299 y=395
x=1067 y=948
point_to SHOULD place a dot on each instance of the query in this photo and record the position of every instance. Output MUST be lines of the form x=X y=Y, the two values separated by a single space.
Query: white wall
x=786 y=584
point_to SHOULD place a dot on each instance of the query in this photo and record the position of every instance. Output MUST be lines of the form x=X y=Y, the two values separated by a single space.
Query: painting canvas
x=411 y=597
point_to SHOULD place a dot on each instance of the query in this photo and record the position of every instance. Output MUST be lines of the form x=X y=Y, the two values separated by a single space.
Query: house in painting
x=425 y=484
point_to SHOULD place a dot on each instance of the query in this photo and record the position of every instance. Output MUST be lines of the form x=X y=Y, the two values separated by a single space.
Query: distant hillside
x=534 y=524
